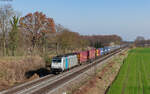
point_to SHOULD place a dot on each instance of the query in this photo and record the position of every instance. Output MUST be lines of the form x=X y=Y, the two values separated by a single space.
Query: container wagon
x=101 y=51
x=98 y=52
x=82 y=57
x=91 y=55
x=105 y=50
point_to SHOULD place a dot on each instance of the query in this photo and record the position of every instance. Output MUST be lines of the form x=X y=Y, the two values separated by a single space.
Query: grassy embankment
x=134 y=76
x=17 y=69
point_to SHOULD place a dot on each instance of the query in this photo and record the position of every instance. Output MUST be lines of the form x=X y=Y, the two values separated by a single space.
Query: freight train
x=68 y=61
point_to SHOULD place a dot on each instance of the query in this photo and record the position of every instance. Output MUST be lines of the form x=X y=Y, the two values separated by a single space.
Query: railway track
x=49 y=87
x=21 y=89
x=48 y=83
x=13 y=90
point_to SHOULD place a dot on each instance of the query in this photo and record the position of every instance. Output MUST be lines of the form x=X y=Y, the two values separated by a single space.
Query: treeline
x=34 y=34
x=17 y=35
x=98 y=41
x=140 y=41
x=37 y=34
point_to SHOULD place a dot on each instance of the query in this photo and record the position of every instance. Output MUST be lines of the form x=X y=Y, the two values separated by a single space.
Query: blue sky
x=127 y=18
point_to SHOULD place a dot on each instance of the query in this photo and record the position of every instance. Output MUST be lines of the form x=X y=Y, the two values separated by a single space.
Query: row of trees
x=140 y=41
x=98 y=41
x=32 y=27
x=8 y=27
x=36 y=33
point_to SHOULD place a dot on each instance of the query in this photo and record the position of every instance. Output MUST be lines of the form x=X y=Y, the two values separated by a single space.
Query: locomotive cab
x=56 y=65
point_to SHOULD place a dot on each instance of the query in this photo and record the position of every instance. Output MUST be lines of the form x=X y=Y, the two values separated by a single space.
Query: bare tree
x=68 y=40
x=6 y=13
x=59 y=28
x=140 y=41
x=139 y=38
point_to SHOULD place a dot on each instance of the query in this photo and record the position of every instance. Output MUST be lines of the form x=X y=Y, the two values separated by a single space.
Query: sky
x=126 y=18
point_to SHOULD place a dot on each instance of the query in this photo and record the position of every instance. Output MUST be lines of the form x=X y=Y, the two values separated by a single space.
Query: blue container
x=101 y=51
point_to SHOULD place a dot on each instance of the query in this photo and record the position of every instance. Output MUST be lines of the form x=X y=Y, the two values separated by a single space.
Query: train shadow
x=40 y=72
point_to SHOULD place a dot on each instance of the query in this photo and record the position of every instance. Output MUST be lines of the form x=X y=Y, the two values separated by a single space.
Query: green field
x=134 y=75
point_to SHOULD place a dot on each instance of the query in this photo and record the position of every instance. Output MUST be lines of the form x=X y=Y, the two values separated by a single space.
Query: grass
x=134 y=75
x=12 y=58
x=14 y=69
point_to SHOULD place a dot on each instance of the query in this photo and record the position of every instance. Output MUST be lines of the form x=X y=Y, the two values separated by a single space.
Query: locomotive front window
x=56 y=60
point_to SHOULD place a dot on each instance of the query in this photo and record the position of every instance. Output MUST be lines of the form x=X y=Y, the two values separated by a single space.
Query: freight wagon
x=101 y=51
x=82 y=57
x=91 y=54
x=106 y=50
x=98 y=52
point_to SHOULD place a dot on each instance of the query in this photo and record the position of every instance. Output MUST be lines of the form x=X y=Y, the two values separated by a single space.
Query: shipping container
x=98 y=52
x=91 y=54
x=105 y=50
x=82 y=57
x=101 y=51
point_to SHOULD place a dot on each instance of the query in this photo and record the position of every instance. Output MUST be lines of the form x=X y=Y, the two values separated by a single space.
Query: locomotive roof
x=59 y=56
